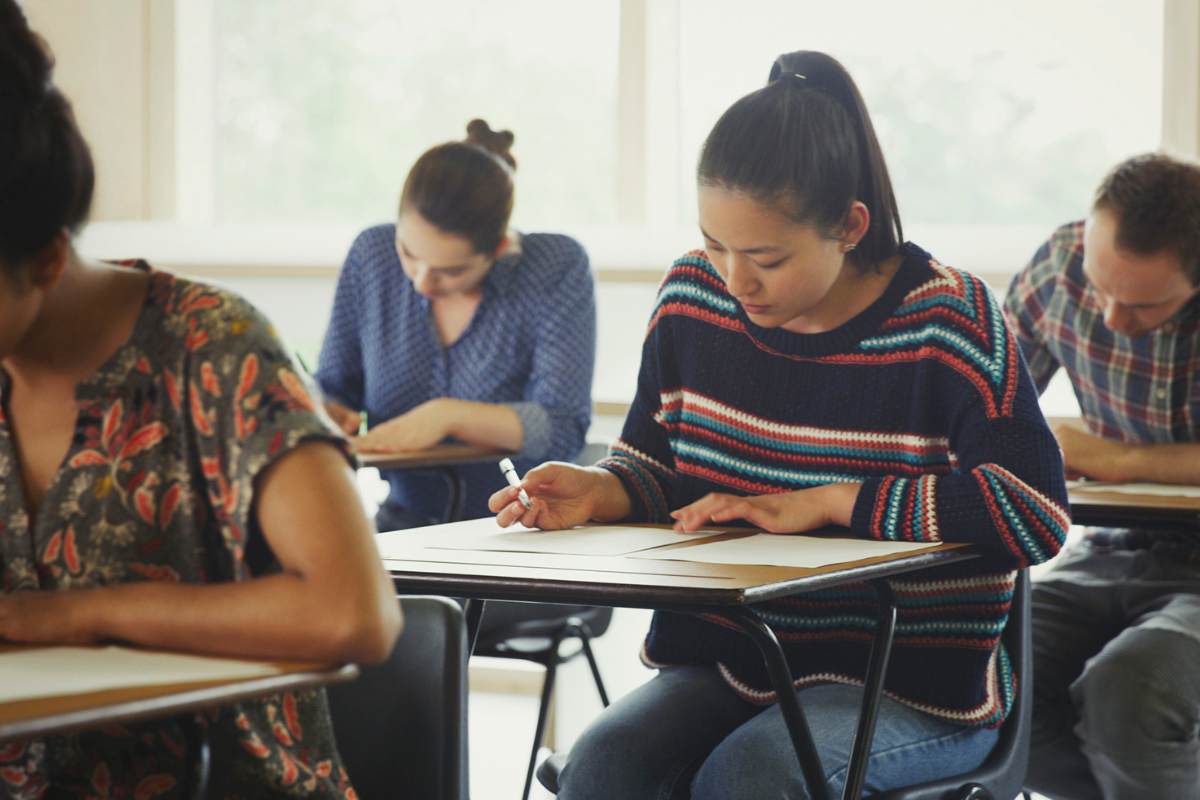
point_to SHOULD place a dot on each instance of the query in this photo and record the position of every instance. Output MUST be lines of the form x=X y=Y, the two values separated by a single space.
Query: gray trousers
x=1116 y=695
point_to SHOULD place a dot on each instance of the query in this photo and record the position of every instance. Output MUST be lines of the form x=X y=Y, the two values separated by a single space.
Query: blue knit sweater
x=925 y=399
x=530 y=345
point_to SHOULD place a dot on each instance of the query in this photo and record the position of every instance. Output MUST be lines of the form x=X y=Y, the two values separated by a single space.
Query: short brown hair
x=466 y=188
x=1156 y=199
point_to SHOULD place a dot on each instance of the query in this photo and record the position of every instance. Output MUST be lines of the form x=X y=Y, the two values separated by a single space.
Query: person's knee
x=732 y=777
x=1143 y=689
x=749 y=765
x=590 y=762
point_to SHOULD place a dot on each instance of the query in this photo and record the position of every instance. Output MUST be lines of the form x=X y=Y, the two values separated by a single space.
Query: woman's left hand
x=785 y=512
x=419 y=429
x=44 y=618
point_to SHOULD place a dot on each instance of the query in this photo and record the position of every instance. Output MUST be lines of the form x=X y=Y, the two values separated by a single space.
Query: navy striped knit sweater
x=925 y=399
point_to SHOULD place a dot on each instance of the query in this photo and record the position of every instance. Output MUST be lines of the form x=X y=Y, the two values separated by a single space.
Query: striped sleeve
x=1004 y=491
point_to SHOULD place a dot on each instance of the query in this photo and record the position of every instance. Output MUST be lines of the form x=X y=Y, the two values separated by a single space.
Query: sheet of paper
x=1154 y=489
x=607 y=540
x=54 y=671
x=771 y=550
x=485 y=534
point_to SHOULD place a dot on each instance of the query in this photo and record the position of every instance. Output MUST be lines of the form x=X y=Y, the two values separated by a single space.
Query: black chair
x=1002 y=774
x=401 y=727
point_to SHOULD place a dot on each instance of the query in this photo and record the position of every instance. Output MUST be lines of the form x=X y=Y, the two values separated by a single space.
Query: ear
x=503 y=246
x=855 y=223
x=46 y=268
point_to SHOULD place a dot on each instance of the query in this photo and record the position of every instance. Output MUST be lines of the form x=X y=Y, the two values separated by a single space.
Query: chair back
x=1003 y=772
x=401 y=727
x=511 y=629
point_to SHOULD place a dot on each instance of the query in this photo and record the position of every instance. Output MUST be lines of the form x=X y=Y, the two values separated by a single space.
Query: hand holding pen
x=510 y=474
x=560 y=496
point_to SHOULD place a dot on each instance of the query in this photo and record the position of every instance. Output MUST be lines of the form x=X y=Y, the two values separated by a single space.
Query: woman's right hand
x=561 y=496
x=347 y=420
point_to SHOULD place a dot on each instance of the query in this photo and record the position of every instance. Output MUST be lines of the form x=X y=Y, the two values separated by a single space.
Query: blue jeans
x=686 y=733
x=1116 y=689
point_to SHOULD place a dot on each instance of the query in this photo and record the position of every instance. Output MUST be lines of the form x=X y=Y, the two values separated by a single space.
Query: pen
x=510 y=474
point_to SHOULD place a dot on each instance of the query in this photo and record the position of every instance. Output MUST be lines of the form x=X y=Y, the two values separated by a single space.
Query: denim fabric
x=1116 y=647
x=687 y=734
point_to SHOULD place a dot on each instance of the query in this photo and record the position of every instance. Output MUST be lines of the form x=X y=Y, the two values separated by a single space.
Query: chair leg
x=551 y=665
x=585 y=638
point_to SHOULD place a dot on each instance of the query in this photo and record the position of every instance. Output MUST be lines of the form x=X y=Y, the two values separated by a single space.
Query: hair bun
x=498 y=143
x=25 y=59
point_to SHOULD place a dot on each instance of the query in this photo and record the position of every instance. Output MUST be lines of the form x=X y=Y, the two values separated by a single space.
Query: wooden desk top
x=631 y=582
x=65 y=713
x=441 y=455
x=1121 y=509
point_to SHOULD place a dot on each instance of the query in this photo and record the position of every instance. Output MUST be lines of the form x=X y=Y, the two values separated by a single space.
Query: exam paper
x=1155 y=489
x=54 y=671
x=777 y=550
x=606 y=540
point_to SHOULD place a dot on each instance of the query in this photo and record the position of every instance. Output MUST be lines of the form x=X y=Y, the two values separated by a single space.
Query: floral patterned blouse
x=158 y=486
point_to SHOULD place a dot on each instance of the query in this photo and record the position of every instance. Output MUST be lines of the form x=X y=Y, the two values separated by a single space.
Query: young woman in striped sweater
x=807 y=369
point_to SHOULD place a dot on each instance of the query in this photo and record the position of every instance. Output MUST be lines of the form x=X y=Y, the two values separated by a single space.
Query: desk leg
x=198 y=756
x=458 y=493
x=473 y=611
x=881 y=648
x=789 y=704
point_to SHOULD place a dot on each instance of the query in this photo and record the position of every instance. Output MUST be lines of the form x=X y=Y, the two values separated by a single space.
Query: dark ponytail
x=46 y=173
x=805 y=145
x=466 y=188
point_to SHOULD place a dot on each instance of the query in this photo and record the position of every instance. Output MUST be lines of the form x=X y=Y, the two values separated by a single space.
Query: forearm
x=1176 y=463
x=275 y=616
x=838 y=500
x=489 y=424
x=611 y=501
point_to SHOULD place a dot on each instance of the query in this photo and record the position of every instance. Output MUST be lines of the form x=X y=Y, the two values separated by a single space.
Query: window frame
x=647 y=235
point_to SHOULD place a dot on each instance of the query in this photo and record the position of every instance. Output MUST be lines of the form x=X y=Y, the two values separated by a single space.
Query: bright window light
x=322 y=108
x=989 y=113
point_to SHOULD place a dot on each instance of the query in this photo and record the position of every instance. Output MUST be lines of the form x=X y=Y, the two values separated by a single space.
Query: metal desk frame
x=487 y=583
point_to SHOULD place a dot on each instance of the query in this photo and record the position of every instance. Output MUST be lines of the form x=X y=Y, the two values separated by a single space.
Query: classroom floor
x=501 y=731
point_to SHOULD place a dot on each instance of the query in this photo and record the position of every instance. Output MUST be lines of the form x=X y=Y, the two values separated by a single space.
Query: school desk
x=442 y=458
x=1111 y=505
x=42 y=716
x=681 y=586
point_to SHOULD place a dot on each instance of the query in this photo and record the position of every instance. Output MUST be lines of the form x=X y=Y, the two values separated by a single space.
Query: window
x=323 y=107
x=988 y=113
x=296 y=123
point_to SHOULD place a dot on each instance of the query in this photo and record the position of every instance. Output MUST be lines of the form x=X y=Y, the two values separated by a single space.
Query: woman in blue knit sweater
x=448 y=324
x=807 y=369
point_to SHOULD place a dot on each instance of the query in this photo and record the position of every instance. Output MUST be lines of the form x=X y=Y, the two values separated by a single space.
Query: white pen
x=510 y=474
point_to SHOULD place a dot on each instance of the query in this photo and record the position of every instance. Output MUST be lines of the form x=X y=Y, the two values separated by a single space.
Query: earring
x=848 y=246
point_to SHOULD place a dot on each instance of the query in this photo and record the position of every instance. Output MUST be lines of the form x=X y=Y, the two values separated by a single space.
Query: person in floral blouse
x=166 y=479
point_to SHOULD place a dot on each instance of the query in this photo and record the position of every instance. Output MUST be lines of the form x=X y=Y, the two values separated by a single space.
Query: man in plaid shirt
x=1113 y=301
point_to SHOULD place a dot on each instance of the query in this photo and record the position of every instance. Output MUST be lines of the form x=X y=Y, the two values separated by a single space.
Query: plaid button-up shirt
x=1144 y=389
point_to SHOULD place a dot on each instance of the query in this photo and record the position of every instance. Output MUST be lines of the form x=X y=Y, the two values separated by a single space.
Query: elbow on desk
x=364 y=635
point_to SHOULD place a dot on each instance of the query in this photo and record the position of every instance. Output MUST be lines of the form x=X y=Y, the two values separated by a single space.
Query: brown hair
x=805 y=144
x=46 y=173
x=1156 y=199
x=466 y=188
